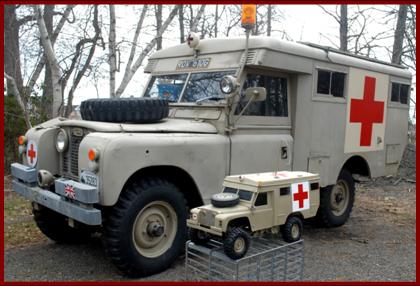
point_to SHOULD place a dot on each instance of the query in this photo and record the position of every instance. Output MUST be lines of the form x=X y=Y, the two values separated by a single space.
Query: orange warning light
x=21 y=140
x=249 y=16
x=93 y=154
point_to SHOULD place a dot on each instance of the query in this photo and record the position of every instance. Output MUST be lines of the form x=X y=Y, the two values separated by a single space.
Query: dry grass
x=19 y=226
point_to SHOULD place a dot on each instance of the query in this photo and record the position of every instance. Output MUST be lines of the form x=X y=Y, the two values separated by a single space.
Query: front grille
x=206 y=218
x=70 y=161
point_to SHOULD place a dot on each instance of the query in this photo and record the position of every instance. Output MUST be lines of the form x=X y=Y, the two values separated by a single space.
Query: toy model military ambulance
x=133 y=167
x=254 y=203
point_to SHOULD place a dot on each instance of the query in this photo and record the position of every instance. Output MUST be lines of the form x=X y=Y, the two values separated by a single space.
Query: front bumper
x=212 y=229
x=79 y=207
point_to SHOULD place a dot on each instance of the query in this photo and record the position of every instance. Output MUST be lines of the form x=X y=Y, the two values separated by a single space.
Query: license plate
x=89 y=178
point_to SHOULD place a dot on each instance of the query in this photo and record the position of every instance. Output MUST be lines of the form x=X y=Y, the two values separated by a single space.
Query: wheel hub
x=339 y=198
x=155 y=229
x=239 y=244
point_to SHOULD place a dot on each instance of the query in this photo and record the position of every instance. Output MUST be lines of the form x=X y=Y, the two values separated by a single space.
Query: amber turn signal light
x=249 y=15
x=93 y=154
x=21 y=140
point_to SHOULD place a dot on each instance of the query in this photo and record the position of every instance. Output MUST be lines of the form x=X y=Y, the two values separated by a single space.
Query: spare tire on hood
x=120 y=110
x=223 y=200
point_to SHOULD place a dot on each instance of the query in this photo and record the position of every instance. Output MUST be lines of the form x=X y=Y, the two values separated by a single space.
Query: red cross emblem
x=367 y=111
x=69 y=192
x=32 y=153
x=300 y=196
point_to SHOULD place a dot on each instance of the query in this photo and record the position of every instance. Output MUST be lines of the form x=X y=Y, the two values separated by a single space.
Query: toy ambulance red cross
x=367 y=111
x=300 y=196
x=32 y=153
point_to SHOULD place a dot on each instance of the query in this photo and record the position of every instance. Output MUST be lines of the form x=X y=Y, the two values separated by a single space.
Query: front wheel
x=336 y=201
x=146 y=229
x=236 y=243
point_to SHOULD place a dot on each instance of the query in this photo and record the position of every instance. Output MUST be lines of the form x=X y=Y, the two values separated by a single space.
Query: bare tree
x=399 y=34
x=181 y=24
x=112 y=51
x=131 y=69
x=197 y=18
x=343 y=28
x=52 y=62
x=269 y=16
x=158 y=14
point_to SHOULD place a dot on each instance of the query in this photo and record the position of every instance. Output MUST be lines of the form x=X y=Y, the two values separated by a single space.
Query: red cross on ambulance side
x=367 y=111
x=300 y=196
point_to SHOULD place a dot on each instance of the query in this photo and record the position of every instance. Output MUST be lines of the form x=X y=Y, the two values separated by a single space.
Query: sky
x=307 y=23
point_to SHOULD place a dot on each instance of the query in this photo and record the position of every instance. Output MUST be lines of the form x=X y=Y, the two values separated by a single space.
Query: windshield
x=243 y=195
x=200 y=86
x=166 y=86
x=204 y=85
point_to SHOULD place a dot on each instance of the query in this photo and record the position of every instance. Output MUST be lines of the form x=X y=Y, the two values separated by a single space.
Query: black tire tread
x=286 y=229
x=55 y=227
x=120 y=110
x=324 y=216
x=229 y=240
x=112 y=238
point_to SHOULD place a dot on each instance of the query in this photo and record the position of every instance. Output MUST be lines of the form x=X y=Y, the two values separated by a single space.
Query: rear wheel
x=146 y=229
x=336 y=201
x=55 y=226
x=292 y=229
x=236 y=243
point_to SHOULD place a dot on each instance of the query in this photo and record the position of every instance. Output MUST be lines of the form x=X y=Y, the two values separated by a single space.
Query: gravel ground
x=377 y=244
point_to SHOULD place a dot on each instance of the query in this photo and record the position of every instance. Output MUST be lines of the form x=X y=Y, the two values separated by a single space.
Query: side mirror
x=255 y=94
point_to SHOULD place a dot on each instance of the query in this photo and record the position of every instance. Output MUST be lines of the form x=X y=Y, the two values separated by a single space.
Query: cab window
x=261 y=199
x=276 y=101
x=230 y=190
x=330 y=83
x=167 y=87
x=399 y=92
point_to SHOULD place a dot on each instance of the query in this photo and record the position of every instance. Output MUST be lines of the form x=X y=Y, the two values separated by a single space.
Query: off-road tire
x=120 y=110
x=224 y=200
x=325 y=215
x=199 y=237
x=229 y=242
x=287 y=230
x=119 y=229
x=55 y=226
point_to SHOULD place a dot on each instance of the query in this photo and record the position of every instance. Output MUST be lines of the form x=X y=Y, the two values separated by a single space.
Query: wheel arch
x=240 y=222
x=357 y=165
x=176 y=175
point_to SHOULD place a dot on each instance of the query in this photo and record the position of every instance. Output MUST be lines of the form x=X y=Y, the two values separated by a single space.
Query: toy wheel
x=236 y=243
x=199 y=237
x=223 y=200
x=292 y=229
x=336 y=201
x=146 y=230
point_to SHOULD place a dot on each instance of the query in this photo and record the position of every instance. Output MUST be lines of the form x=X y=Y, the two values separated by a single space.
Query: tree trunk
x=197 y=18
x=343 y=28
x=47 y=91
x=112 y=51
x=14 y=90
x=269 y=12
x=52 y=62
x=131 y=70
x=216 y=19
x=181 y=24
x=11 y=49
x=158 y=13
x=397 y=49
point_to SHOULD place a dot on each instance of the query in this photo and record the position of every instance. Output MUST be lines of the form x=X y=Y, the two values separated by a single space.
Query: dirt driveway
x=378 y=243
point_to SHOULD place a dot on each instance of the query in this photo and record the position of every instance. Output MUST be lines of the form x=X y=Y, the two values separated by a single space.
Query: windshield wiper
x=215 y=98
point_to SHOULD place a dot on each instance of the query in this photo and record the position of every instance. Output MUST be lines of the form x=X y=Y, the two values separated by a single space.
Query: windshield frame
x=189 y=74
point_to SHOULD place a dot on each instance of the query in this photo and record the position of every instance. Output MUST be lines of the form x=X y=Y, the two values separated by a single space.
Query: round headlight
x=228 y=84
x=62 y=141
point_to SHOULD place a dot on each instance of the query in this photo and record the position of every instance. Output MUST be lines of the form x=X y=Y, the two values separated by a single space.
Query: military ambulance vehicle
x=252 y=204
x=134 y=166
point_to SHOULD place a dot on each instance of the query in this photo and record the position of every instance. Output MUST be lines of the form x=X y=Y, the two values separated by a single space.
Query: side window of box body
x=400 y=93
x=330 y=83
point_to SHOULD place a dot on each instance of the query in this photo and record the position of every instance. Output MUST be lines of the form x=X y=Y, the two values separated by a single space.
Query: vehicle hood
x=167 y=125
x=238 y=208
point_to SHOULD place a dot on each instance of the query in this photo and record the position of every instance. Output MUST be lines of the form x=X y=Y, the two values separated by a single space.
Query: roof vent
x=251 y=58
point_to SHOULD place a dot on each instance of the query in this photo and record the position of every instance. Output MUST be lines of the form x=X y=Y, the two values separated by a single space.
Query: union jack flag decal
x=69 y=192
